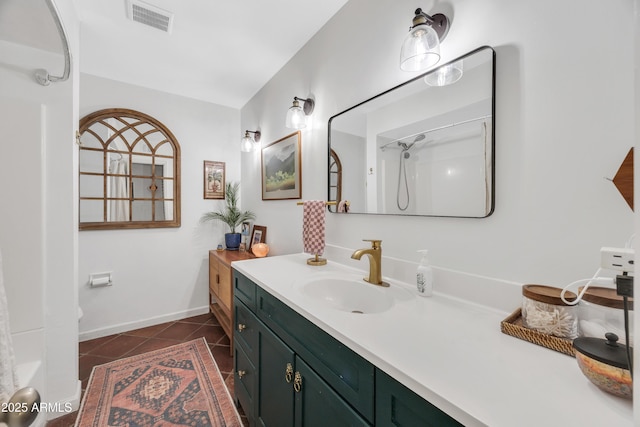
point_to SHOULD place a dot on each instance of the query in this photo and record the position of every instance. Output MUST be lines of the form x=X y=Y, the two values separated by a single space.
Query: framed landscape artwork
x=281 y=169
x=213 y=180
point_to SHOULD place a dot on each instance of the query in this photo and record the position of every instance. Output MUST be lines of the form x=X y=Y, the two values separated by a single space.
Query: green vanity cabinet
x=346 y=372
x=292 y=394
x=246 y=328
x=245 y=381
x=396 y=405
x=275 y=405
x=245 y=290
x=286 y=380
x=318 y=405
x=289 y=372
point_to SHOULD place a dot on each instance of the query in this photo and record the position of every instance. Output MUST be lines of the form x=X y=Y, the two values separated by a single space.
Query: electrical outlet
x=620 y=259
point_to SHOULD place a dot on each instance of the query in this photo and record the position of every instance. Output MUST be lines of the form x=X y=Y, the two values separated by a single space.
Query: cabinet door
x=317 y=405
x=246 y=330
x=214 y=277
x=275 y=393
x=349 y=374
x=225 y=292
x=245 y=382
x=396 y=405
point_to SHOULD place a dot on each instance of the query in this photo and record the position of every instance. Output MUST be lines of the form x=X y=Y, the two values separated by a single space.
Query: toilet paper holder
x=100 y=279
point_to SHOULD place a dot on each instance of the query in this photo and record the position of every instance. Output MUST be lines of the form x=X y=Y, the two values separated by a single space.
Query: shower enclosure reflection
x=419 y=149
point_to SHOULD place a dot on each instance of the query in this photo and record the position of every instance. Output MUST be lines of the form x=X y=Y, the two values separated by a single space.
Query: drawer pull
x=241 y=374
x=297 y=382
x=217 y=278
x=288 y=374
x=241 y=327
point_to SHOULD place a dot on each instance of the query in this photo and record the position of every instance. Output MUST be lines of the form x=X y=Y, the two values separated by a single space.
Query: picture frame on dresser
x=259 y=235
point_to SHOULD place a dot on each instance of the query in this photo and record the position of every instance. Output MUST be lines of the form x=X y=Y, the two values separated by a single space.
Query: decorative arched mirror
x=129 y=172
x=335 y=177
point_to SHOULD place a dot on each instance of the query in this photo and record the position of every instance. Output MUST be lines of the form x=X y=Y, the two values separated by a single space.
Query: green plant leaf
x=230 y=214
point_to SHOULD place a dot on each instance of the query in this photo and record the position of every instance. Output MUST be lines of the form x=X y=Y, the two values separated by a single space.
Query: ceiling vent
x=150 y=15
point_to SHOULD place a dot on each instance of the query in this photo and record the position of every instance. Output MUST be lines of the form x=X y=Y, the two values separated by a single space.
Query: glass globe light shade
x=420 y=49
x=445 y=75
x=296 y=119
x=248 y=144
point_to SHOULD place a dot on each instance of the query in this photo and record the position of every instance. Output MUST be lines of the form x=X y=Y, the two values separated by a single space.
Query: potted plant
x=231 y=216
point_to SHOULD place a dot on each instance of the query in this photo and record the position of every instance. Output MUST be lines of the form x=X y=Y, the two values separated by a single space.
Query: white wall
x=159 y=274
x=564 y=121
x=38 y=219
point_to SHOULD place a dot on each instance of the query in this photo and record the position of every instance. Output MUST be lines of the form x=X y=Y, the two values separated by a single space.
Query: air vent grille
x=150 y=15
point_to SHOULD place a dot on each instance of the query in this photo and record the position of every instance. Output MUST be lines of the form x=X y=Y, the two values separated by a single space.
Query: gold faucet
x=375 y=262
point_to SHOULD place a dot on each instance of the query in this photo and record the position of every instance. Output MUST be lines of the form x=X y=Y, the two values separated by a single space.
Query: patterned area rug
x=175 y=386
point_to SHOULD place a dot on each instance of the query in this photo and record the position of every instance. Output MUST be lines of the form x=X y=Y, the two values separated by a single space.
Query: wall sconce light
x=421 y=47
x=250 y=143
x=445 y=75
x=297 y=115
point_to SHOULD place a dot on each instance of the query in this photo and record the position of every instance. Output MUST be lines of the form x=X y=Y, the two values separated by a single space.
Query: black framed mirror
x=425 y=147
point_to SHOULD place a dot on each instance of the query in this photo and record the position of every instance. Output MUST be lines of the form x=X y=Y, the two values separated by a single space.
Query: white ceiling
x=220 y=51
x=28 y=22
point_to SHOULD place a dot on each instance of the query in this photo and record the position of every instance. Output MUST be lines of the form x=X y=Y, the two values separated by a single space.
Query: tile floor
x=113 y=347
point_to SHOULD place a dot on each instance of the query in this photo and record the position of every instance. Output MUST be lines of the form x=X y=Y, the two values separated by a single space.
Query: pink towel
x=343 y=206
x=313 y=226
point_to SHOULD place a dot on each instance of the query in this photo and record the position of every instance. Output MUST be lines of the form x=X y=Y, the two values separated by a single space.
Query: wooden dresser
x=221 y=287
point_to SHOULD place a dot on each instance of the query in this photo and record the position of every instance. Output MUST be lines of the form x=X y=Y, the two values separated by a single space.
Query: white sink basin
x=351 y=294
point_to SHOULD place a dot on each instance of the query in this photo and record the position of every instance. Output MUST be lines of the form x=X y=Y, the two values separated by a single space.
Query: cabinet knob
x=241 y=374
x=297 y=382
x=241 y=327
x=288 y=373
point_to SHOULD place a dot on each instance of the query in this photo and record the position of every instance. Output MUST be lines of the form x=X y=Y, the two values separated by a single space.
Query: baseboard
x=63 y=407
x=129 y=326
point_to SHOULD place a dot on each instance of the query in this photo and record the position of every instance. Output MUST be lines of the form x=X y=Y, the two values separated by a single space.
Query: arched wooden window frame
x=132 y=120
x=335 y=168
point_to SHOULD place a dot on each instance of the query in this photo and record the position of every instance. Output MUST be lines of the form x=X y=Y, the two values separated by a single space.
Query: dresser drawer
x=245 y=382
x=244 y=289
x=246 y=330
x=345 y=371
x=396 y=405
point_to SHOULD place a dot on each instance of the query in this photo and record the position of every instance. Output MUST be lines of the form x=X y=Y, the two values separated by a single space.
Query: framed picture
x=213 y=180
x=259 y=235
x=281 y=169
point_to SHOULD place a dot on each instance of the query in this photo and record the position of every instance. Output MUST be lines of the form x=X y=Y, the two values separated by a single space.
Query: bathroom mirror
x=129 y=172
x=425 y=147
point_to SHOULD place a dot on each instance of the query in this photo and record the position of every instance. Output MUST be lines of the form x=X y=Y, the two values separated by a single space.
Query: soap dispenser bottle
x=424 y=276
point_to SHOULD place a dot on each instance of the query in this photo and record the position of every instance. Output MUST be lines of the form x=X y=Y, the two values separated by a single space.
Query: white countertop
x=452 y=353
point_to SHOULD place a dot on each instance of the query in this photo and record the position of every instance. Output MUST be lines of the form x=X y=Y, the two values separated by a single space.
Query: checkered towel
x=313 y=226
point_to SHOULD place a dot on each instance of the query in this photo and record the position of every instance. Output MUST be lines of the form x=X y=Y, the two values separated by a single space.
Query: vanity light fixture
x=297 y=115
x=250 y=143
x=445 y=75
x=421 y=47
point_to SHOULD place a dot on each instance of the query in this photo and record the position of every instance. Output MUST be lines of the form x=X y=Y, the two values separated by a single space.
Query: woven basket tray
x=512 y=325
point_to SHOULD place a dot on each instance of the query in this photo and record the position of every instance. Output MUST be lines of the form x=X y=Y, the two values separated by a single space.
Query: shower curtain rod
x=42 y=76
x=435 y=129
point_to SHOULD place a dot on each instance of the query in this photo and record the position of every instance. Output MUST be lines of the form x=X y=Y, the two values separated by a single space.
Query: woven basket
x=512 y=325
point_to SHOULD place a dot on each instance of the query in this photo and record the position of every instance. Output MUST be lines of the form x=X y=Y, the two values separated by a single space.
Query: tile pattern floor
x=107 y=349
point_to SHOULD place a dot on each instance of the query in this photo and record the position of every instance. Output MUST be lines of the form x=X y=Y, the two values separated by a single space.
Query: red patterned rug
x=175 y=386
